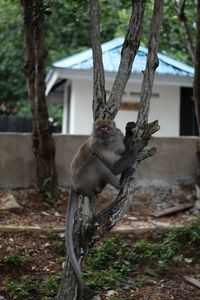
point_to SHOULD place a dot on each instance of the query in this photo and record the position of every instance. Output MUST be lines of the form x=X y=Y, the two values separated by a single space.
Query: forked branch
x=129 y=50
x=99 y=93
x=151 y=65
x=106 y=219
x=180 y=6
x=110 y=108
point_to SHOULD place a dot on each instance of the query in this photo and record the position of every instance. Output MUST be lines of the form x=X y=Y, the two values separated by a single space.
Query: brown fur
x=90 y=172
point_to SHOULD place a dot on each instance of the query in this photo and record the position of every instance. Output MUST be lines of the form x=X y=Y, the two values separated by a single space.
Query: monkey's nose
x=104 y=133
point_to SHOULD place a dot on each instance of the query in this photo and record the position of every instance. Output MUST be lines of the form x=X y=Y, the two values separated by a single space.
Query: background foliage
x=67 y=32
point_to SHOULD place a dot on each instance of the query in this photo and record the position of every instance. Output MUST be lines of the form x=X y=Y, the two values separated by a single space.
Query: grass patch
x=59 y=247
x=49 y=286
x=14 y=260
x=19 y=289
x=25 y=286
x=115 y=261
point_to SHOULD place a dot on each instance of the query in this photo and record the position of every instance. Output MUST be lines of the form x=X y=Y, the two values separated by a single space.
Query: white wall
x=81 y=107
x=165 y=107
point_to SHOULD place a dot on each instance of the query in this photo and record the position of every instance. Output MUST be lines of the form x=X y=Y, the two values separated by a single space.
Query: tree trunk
x=180 y=5
x=68 y=287
x=35 y=54
x=196 y=93
x=29 y=57
x=196 y=86
x=83 y=220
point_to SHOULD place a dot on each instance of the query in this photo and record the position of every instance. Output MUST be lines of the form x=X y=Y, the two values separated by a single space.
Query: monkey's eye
x=100 y=129
x=107 y=128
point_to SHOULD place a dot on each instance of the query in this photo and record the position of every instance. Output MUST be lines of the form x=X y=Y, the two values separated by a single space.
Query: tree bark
x=195 y=55
x=99 y=93
x=29 y=57
x=151 y=65
x=35 y=54
x=129 y=50
x=194 y=52
x=131 y=43
x=196 y=85
x=182 y=17
x=68 y=287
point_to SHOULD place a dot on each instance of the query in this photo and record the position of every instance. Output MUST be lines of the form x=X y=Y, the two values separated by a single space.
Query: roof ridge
x=83 y=56
x=86 y=54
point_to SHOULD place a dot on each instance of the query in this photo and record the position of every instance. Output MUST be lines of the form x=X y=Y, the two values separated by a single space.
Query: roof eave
x=68 y=73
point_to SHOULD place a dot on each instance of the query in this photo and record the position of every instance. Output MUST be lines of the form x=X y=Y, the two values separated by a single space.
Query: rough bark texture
x=196 y=87
x=194 y=52
x=183 y=19
x=151 y=65
x=99 y=93
x=109 y=110
x=198 y=172
x=68 y=287
x=35 y=54
x=93 y=227
x=196 y=93
x=129 y=50
x=29 y=57
x=195 y=55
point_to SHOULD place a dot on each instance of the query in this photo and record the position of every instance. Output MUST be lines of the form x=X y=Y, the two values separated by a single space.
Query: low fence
x=174 y=162
x=12 y=123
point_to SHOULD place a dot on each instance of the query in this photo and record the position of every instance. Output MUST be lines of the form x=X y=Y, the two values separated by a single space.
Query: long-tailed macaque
x=93 y=166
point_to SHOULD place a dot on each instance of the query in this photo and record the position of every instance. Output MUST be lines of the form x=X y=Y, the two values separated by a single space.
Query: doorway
x=188 y=124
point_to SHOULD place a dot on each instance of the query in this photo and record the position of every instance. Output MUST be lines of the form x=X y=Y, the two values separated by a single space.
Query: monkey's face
x=103 y=131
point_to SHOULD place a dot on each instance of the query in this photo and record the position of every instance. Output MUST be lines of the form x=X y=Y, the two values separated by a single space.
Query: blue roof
x=111 y=58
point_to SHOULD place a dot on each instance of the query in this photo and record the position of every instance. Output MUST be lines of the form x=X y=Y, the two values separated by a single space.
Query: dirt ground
x=36 y=212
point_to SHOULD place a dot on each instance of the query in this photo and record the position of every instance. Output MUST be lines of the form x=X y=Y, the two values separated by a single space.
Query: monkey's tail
x=72 y=207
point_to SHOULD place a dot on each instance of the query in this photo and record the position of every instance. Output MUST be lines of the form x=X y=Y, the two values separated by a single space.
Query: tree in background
x=193 y=46
x=67 y=32
x=35 y=54
x=89 y=227
x=12 y=82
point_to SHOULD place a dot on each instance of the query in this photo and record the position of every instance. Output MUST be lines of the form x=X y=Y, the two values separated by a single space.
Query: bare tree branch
x=182 y=17
x=151 y=65
x=107 y=218
x=99 y=93
x=129 y=50
x=196 y=84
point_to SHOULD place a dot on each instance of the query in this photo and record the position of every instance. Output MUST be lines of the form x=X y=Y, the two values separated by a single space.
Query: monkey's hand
x=129 y=133
x=126 y=161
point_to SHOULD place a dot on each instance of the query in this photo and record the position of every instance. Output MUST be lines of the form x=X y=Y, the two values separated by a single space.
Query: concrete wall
x=165 y=107
x=175 y=160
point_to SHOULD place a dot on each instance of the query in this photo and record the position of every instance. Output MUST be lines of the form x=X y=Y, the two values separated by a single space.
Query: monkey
x=106 y=144
x=92 y=168
x=90 y=171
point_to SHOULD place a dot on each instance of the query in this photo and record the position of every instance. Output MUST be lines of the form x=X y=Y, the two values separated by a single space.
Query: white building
x=70 y=83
